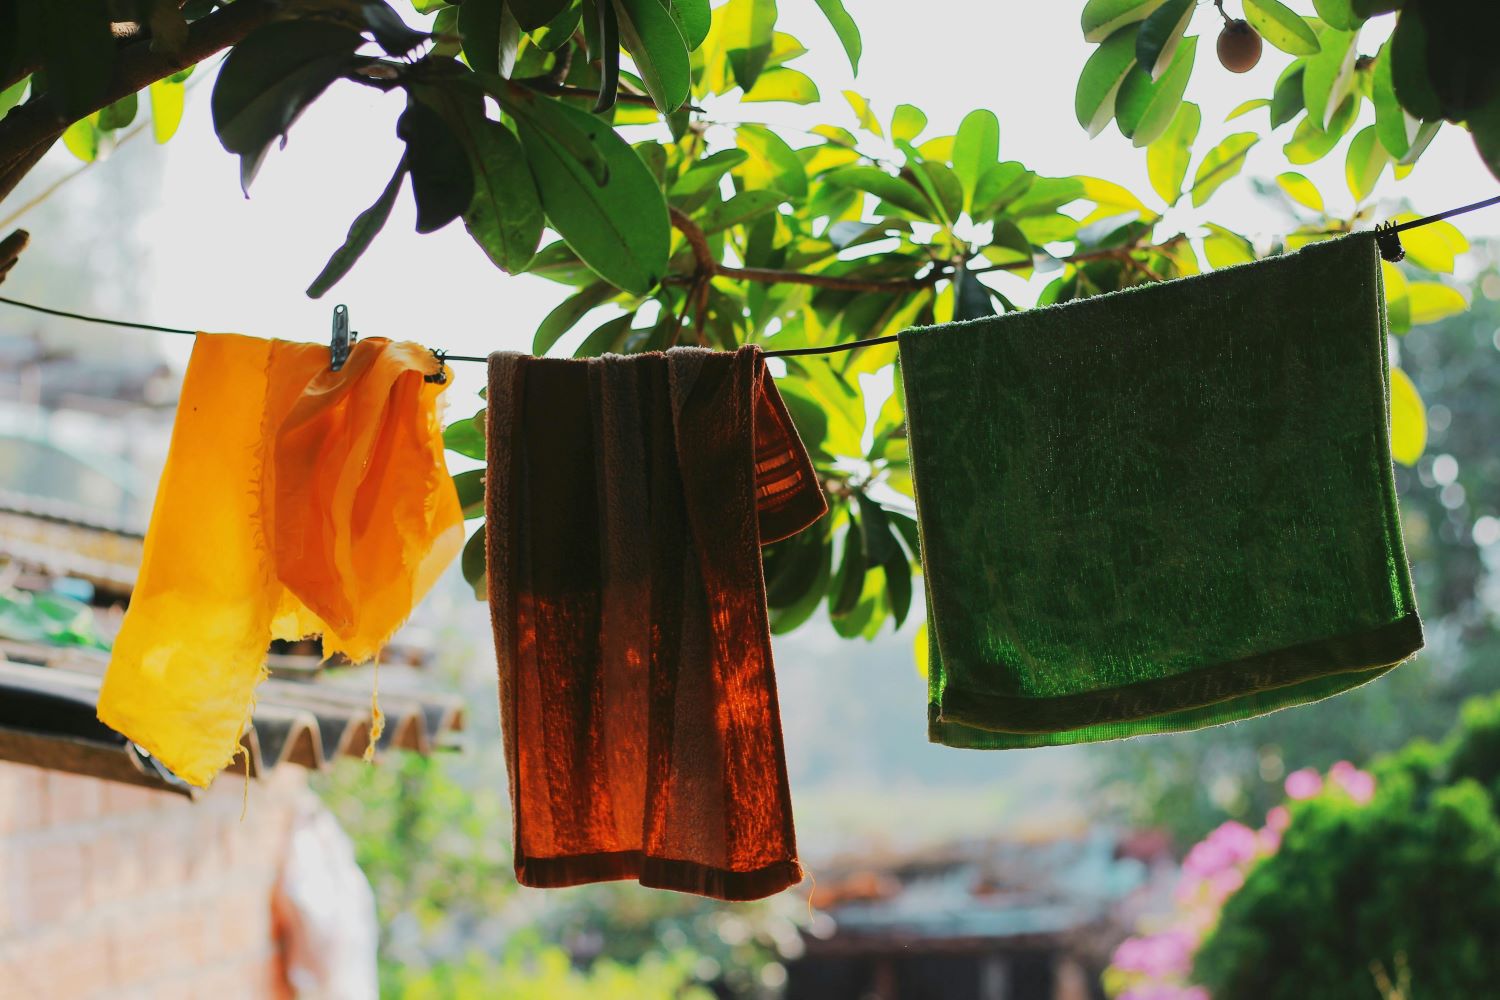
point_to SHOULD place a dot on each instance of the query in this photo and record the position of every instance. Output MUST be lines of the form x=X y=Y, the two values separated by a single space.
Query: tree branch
x=10 y=250
x=13 y=168
x=708 y=265
x=546 y=85
x=37 y=122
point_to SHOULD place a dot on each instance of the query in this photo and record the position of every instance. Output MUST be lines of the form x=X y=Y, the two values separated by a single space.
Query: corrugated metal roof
x=47 y=718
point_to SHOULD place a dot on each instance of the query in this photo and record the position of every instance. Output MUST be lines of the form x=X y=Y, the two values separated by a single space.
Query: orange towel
x=626 y=504
x=295 y=501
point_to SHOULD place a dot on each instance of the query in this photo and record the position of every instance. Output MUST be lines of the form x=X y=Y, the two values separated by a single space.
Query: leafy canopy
x=568 y=138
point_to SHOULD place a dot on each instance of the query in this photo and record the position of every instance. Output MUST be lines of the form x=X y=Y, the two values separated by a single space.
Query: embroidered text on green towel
x=1161 y=509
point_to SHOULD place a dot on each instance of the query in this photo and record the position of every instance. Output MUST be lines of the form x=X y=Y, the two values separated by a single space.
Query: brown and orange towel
x=628 y=499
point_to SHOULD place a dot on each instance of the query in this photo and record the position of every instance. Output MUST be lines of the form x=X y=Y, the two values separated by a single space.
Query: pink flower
x=1157 y=956
x=1225 y=884
x=1358 y=785
x=1236 y=840
x=1278 y=819
x=1270 y=840
x=1303 y=784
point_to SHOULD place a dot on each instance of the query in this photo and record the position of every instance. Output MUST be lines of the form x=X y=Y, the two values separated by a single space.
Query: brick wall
x=109 y=890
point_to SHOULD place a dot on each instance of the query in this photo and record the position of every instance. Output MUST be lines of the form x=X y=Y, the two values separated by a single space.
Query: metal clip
x=439 y=377
x=1389 y=242
x=343 y=341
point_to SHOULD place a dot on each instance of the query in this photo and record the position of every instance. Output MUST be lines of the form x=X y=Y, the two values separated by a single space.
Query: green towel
x=1160 y=509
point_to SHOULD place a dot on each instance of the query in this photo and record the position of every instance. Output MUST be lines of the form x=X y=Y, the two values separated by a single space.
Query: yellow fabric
x=295 y=501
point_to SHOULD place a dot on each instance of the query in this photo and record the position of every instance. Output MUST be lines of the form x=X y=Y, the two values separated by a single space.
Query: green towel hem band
x=1183 y=696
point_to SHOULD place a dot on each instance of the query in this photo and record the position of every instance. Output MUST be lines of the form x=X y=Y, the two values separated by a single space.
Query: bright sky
x=220 y=262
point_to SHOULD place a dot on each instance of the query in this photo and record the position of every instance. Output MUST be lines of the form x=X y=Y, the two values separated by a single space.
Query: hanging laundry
x=1161 y=509
x=295 y=501
x=627 y=501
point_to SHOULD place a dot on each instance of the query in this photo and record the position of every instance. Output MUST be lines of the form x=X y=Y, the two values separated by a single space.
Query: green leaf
x=971 y=297
x=898 y=585
x=976 y=148
x=1286 y=99
x=1397 y=301
x=607 y=339
x=1329 y=76
x=1461 y=64
x=1224 y=248
x=1432 y=302
x=1426 y=132
x=921 y=650
x=1223 y=162
x=1393 y=125
x=465 y=437
x=693 y=20
x=490 y=36
x=1310 y=143
x=472 y=562
x=659 y=50
x=875 y=531
x=1338 y=14
x=793 y=567
x=782 y=84
x=566 y=314
x=737 y=211
x=1281 y=26
x=788 y=617
x=1410 y=72
x=863 y=112
x=11 y=96
x=1094 y=101
x=1168 y=157
x=1156 y=44
x=1408 y=419
x=78 y=52
x=748 y=26
x=82 y=138
x=873 y=180
x=270 y=78
x=1144 y=108
x=1254 y=104
x=938 y=182
x=119 y=114
x=907 y=122
x=391 y=33
x=1102 y=18
x=1301 y=190
x=533 y=14
x=166 y=108
x=1364 y=163
x=848 y=584
x=772 y=163
x=1485 y=126
x=361 y=234
x=470 y=488
x=505 y=217
x=442 y=179
x=846 y=29
x=607 y=27
x=618 y=228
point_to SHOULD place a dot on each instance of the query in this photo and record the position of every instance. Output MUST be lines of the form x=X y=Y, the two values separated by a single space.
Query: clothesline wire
x=851 y=345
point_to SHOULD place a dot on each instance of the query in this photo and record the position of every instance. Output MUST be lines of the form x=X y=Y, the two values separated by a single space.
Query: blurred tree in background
x=1404 y=889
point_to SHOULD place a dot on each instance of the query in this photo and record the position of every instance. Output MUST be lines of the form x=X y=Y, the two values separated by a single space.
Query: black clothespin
x=1388 y=239
x=440 y=376
x=343 y=340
